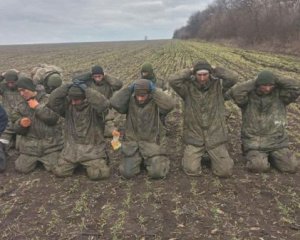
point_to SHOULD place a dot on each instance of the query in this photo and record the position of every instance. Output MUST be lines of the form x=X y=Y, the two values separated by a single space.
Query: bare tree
x=253 y=21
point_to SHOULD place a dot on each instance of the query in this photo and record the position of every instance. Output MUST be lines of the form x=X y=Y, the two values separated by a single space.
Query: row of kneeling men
x=39 y=106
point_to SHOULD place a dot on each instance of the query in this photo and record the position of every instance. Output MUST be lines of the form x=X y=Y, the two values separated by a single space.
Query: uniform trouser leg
x=284 y=160
x=221 y=162
x=96 y=169
x=257 y=161
x=2 y=158
x=50 y=160
x=131 y=165
x=191 y=161
x=64 y=168
x=26 y=163
x=157 y=166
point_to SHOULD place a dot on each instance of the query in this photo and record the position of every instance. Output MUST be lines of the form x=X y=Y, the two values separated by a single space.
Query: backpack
x=42 y=71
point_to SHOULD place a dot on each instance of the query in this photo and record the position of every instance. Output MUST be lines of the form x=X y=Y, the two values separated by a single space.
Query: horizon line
x=104 y=41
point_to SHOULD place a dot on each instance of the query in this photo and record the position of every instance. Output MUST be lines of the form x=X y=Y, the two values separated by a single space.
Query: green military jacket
x=204 y=111
x=10 y=98
x=264 y=116
x=42 y=71
x=44 y=135
x=159 y=82
x=84 y=124
x=143 y=123
x=106 y=87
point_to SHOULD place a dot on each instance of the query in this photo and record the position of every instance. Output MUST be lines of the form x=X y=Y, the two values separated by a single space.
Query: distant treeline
x=250 y=21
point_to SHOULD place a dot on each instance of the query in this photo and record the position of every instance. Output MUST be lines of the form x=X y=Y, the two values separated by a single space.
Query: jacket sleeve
x=178 y=82
x=19 y=129
x=85 y=77
x=97 y=100
x=289 y=89
x=165 y=85
x=16 y=117
x=2 y=88
x=120 y=100
x=115 y=83
x=3 y=119
x=239 y=93
x=58 y=100
x=164 y=102
x=161 y=83
x=44 y=113
x=229 y=79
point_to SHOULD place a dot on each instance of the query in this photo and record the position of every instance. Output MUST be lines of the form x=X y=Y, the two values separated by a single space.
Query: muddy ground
x=245 y=206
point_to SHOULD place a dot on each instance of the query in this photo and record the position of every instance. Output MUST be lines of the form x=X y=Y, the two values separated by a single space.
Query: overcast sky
x=48 y=21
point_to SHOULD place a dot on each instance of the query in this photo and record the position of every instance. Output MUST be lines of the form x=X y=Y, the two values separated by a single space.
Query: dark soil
x=246 y=206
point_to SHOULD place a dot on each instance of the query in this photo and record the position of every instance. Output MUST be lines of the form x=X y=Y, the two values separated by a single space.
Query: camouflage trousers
x=96 y=169
x=221 y=162
x=135 y=155
x=27 y=163
x=282 y=159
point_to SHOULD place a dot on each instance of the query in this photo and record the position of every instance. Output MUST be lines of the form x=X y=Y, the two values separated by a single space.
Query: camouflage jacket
x=159 y=82
x=264 y=116
x=44 y=135
x=106 y=87
x=204 y=111
x=142 y=122
x=42 y=71
x=10 y=98
x=84 y=124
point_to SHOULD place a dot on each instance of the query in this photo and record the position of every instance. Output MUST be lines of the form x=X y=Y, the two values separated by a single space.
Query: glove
x=33 y=103
x=152 y=86
x=80 y=83
x=25 y=122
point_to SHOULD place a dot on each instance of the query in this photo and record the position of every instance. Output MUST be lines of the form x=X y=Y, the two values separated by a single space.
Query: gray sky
x=47 y=21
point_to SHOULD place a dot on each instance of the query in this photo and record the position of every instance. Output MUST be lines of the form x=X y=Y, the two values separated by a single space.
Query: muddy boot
x=2 y=158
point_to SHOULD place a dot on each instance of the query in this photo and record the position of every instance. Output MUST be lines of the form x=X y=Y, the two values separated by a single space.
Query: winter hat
x=202 y=65
x=75 y=92
x=147 y=67
x=11 y=75
x=97 y=70
x=265 y=77
x=26 y=83
x=141 y=86
x=54 y=80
